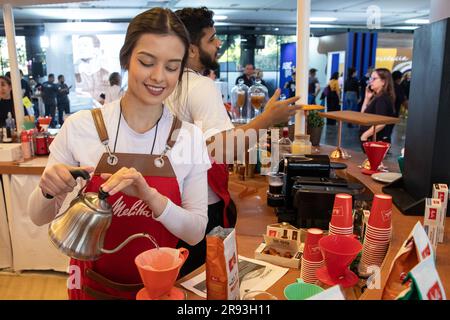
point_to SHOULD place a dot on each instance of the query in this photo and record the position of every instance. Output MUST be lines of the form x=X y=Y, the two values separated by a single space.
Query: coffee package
x=425 y=283
x=222 y=274
x=416 y=248
x=440 y=191
x=431 y=220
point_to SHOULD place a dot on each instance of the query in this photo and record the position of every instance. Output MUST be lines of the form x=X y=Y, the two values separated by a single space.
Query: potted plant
x=314 y=126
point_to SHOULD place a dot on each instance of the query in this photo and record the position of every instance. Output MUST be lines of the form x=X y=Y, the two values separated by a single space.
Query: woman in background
x=333 y=96
x=379 y=99
x=114 y=91
x=6 y=100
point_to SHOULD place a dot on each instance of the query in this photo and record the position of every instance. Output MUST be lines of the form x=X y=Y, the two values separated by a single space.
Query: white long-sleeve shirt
x=200 y=102
x=78 y=144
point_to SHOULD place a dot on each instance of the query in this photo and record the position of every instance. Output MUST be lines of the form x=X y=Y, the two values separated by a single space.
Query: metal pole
x=10 y=32
x=301 y=79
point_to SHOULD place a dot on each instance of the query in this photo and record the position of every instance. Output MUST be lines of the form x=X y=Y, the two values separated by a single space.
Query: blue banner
x=287 y=64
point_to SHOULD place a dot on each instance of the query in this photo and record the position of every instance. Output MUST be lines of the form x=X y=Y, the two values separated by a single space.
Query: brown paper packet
x=222 y=274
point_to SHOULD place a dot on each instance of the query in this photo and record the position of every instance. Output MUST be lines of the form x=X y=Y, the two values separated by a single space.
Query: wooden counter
x=25 y=167
x=254 y=215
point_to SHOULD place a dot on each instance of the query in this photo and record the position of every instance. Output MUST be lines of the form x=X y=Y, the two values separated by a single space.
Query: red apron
x=218 y=181
x=116 y=275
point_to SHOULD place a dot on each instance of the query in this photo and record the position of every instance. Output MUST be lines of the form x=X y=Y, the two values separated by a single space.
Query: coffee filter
x=159 y=259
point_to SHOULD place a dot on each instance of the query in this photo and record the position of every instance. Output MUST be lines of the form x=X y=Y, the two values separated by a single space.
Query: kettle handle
x=76 y=173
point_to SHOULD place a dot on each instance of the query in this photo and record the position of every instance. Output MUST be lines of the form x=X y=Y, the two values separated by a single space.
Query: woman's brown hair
x=159 y=21
x=388 y=87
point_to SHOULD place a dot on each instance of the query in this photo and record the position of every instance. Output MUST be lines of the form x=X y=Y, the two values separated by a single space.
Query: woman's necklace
x=118 y=127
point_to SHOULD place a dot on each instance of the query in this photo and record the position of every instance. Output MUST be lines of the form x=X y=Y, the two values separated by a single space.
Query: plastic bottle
x=284 y=144
x=26 y=146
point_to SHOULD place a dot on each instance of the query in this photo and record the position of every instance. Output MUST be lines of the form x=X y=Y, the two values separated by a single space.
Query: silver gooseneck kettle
x=80 y=231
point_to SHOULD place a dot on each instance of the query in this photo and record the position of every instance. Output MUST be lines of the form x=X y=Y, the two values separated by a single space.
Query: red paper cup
x=381 y=212
x=342 y=211
x=311 y=251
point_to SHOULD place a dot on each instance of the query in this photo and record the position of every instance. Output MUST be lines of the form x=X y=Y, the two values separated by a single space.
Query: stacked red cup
x=342 y=216
x=378 y=233
x=312 y=256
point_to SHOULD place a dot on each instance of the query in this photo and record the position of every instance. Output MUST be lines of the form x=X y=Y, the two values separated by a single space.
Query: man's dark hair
x=312 y=70
x=195 y=20
x=397 y=75
x=51 y=75
x=60 y=77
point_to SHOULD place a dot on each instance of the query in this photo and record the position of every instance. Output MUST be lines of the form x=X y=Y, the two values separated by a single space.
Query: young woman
x=379 y=99
x=169 y=202
x=114 y=91
x=6 y=100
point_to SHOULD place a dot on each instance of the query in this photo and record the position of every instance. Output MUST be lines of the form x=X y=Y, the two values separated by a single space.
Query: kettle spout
x=132 y=237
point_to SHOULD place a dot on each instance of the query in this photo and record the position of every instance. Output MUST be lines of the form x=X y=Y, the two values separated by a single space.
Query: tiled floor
x=350 y=138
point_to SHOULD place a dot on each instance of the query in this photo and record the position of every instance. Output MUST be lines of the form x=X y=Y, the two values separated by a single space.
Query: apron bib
x=115 y=276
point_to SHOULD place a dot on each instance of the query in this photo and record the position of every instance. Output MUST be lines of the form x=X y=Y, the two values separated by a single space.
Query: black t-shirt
x=63 y=92
x=352 y=84
x=5 y=107
x=247 y=81
x=381 y=105
x=312 y=85
x=49 y=92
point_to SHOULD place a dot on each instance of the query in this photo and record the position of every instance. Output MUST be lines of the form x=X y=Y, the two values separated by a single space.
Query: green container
x=401 y=162
x=301 y=290
x=28 y=125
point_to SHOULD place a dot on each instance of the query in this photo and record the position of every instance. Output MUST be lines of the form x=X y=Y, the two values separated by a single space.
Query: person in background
x=6 y=100
x=290 y=85
x=379 y=99
x=26 y=89
x=248 y=75
x=101 y=98
x=49 y=93
x=362 y=86
x=406 y=83
x=313 y=86
x=114 y=91
x=351 y=92
x=166 y=202
x=400 y=96
x=200 y=102
x=333 y=94
x=210 y=73
x=62 y=99
x=259 y=75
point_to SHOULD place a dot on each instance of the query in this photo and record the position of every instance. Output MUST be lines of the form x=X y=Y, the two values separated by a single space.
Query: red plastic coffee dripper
x=159 y=270
x=338 y=251
x=375 y=151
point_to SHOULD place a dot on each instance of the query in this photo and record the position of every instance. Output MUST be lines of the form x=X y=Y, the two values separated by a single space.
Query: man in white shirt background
x=200 y=102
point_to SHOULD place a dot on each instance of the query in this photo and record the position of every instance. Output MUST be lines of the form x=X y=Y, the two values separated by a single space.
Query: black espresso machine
x=309 y=186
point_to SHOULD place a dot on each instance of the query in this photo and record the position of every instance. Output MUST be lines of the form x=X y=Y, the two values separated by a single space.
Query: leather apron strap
x=145 y=164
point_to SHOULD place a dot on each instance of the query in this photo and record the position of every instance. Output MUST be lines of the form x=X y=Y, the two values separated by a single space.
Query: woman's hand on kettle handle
x=57 y=179
x=132 y=183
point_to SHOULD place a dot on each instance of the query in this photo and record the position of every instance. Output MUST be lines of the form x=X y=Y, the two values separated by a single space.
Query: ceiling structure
x=276 y=14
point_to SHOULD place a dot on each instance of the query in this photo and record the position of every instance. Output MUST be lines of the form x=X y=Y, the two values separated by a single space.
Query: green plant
x=315 y=120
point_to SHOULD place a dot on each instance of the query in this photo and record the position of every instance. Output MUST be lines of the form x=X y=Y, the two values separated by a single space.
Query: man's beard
x=207 y=61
